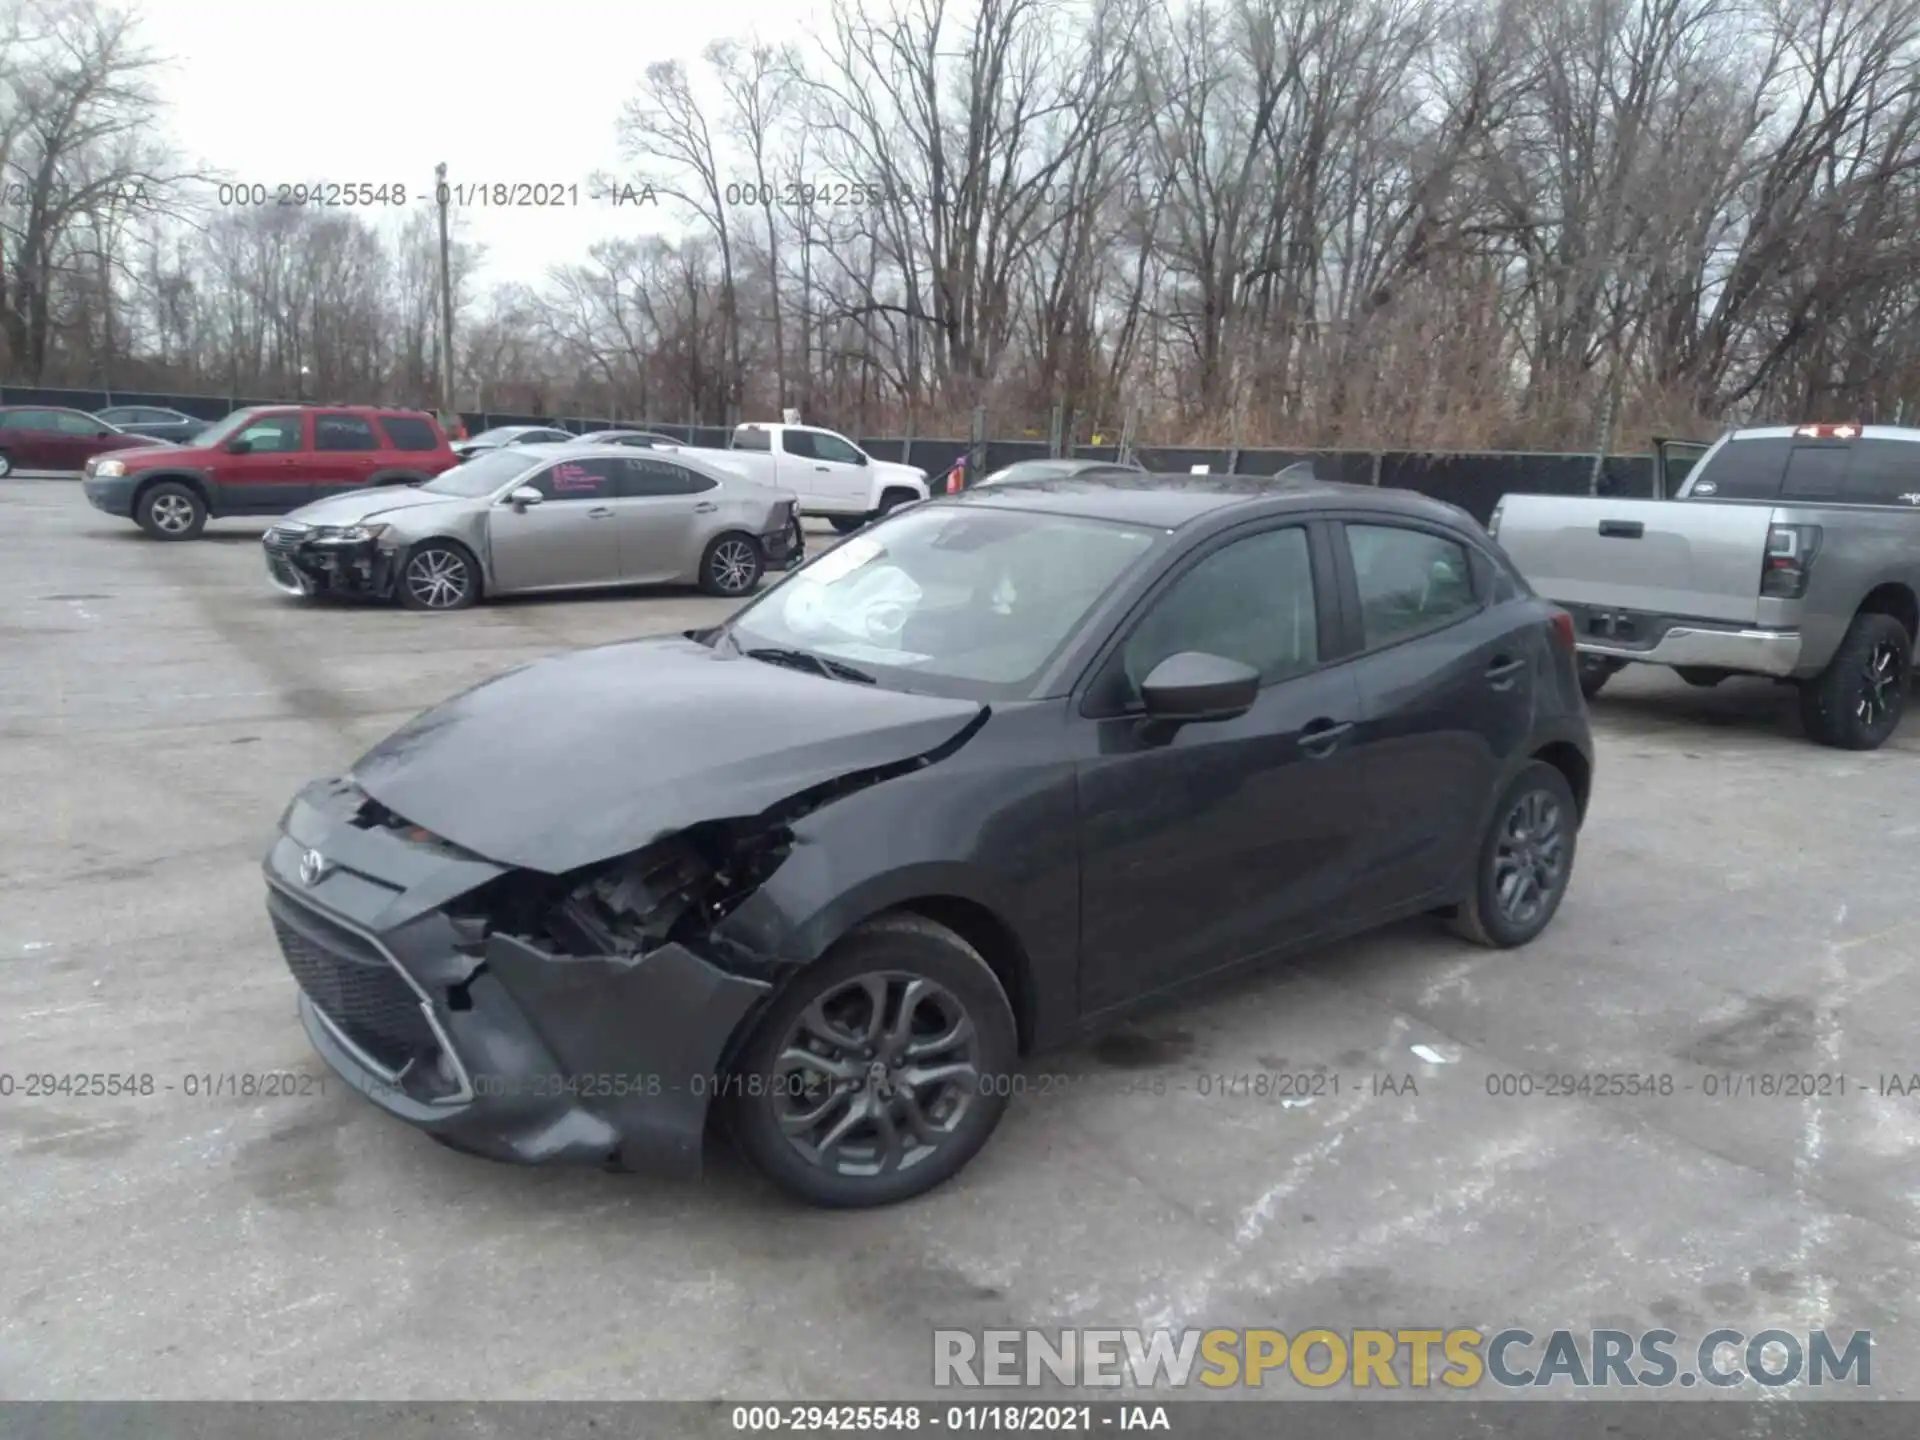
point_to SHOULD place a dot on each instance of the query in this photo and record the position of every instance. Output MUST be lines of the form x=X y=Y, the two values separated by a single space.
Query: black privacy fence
x=1472 y=480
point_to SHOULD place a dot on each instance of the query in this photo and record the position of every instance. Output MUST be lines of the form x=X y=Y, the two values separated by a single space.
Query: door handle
x=1321 y=736
x=599 y=512
x=822 y=470
x=705 y=507
x=1622 y=529
x=1502 y=671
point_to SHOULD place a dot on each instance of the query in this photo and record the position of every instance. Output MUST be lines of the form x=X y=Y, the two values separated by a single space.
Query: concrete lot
x=1743 y=904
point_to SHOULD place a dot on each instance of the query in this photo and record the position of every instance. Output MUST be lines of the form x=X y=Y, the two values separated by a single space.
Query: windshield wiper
x=807 y=660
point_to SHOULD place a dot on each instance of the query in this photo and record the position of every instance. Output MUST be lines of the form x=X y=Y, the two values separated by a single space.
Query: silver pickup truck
x=1791 y=552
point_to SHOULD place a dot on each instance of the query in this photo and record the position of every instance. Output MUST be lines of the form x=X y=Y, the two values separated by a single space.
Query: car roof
x=1171 y=501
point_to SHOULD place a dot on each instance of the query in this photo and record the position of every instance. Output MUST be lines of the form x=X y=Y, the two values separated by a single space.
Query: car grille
x=356 y=987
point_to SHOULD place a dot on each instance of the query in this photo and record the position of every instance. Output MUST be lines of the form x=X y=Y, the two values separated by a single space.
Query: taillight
x=1788 y=560
x=1493 y=520
x=1563 y=628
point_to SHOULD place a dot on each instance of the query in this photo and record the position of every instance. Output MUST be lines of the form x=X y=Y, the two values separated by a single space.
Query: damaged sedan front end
x=307 y=560
x=555 y=1003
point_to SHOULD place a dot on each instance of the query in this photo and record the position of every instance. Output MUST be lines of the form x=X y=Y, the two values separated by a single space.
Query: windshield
x=975 y=601
x=482 y=475
x=225 y=429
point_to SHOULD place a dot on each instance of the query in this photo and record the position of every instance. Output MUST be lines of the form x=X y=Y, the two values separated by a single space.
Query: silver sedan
x=540 y=517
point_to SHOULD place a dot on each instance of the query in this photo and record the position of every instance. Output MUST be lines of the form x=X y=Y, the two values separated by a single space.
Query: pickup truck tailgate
x=1693 y=558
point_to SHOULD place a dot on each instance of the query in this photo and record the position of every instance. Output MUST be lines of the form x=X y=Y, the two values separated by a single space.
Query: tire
x=438 y=575
x=958 y=995
x=1698 y=678
x=171 y=510
x=732 y=565
x=846 y=524
x=892 y=500
x=6 y=465
x=1539 y=794
x=1857 y=702
x=1594 y=674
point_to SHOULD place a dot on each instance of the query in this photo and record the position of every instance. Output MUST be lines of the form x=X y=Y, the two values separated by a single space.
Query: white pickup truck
x=833 y=477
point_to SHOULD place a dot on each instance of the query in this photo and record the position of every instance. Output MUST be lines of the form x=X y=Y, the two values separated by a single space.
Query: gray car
x=504 y=435
x=539 y=517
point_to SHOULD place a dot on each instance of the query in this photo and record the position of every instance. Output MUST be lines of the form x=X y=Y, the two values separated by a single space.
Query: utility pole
x=442 y=196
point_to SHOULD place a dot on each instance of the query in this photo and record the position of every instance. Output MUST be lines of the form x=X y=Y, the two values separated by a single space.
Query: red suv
x=267 y=461
x=45 y=437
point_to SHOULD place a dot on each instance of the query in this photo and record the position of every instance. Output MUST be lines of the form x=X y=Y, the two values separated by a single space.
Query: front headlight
x=350 y=534
x=108 y=469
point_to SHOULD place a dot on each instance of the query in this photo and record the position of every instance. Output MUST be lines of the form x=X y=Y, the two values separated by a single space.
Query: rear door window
x=1744 y=470
x=343 y=432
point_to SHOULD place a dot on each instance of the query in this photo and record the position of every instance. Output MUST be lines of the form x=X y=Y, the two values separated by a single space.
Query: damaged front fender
x=636 y=1041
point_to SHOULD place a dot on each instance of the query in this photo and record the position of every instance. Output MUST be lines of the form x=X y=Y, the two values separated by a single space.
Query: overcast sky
x=353 y=91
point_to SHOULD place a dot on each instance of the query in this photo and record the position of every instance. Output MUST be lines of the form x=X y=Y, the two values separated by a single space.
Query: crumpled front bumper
x=784 y=548
x=515 y=1052
x=300 y=564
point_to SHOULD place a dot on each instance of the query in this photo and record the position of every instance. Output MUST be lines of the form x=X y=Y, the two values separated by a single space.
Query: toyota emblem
x=314 y=867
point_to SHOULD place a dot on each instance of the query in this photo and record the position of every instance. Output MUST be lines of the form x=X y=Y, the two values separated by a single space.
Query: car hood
x=354 y=506
x=589 y=755
x=139 y=449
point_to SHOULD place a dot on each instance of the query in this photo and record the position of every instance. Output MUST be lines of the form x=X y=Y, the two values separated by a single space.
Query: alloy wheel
x=1880 y=684
x=733 y=566
x=1530 y=860
x=438 y=579
x=877 y=1074
x=172 y=513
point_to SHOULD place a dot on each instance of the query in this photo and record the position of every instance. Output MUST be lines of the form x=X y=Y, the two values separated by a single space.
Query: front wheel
x=879 y=1072
x=1856 y=703
x=438 y=575
x=6 y=464
x=1525 y=861
x=171 y=511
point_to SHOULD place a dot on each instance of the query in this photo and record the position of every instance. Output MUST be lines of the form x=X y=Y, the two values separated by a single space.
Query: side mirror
x=859 y=457
x=523 y=496
x=239 y=447
x=1193 y=688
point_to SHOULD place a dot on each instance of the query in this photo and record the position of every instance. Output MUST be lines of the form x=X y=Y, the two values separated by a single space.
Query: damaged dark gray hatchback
x=988 y=773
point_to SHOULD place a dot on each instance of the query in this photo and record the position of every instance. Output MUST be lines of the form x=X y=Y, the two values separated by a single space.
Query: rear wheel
x=1525 y=861
x=880 y=1072
x=1595 y=671
x=846 y=524
x=171 y=510
x=1856 y=703
x=731 y=566
x=6 y=465
x=438 y=575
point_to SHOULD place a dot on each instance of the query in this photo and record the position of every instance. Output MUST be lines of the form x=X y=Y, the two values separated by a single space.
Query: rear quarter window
x=408 y=432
